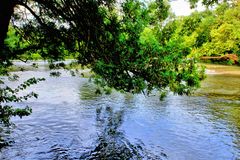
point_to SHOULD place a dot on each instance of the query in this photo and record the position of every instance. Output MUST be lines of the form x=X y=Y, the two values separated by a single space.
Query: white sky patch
x=182 y=7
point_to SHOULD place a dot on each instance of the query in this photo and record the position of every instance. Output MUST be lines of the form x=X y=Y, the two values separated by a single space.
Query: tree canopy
x=209 y=33
x=127 y=45
x=107 y=39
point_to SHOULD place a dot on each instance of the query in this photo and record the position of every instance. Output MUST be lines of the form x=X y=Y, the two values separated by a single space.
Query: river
x=69 y=121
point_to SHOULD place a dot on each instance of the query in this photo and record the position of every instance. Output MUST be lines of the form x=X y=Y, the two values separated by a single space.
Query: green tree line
x=213 y=32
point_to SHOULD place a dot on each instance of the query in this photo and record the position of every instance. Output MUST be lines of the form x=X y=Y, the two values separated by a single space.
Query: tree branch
x=32 y=12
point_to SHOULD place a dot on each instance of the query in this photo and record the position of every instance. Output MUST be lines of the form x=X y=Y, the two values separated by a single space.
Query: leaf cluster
x=208 y=33
x=9 y=95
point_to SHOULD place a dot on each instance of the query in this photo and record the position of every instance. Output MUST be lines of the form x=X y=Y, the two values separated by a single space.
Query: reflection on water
x=111 y=142
x=70 y=122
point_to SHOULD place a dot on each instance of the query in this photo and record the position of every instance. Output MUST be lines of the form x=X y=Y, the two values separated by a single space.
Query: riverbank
x=222 y=82
x=222 y=69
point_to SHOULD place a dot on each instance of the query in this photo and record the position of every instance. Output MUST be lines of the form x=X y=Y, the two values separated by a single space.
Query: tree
x=223 y=33
x=208 y=33
x=83 y=17
x=118 y=44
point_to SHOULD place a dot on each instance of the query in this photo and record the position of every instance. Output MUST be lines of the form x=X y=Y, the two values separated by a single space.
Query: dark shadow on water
x=111 y=143
x=3 y=143
x=5 y=139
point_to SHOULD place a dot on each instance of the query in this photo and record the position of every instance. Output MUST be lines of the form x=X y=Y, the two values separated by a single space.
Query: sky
x=182 y=7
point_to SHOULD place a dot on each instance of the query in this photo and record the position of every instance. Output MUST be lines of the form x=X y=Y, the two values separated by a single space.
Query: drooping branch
x=40 y=21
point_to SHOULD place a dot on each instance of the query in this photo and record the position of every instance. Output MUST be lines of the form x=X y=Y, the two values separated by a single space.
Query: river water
x=69 y=121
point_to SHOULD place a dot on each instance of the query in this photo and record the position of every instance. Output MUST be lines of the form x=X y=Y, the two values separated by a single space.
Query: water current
x=69 y=121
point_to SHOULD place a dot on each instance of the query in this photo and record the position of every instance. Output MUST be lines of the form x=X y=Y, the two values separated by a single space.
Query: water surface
x=69 y=121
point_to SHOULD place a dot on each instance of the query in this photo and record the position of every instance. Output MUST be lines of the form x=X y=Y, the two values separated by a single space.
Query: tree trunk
x=6 y=11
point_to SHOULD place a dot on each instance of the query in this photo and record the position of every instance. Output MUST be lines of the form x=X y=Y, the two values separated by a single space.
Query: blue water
x=69 y=121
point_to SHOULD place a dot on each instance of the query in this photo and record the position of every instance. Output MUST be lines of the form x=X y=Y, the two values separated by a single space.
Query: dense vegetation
x=133 y=46
x=208 y=33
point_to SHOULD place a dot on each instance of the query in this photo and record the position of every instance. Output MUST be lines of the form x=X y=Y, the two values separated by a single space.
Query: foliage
x=142 y=63
x=208 y=33
x=123 y=51
x=8 y=95
x=126 y=51
x=129 y=47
